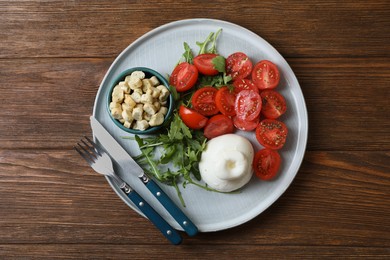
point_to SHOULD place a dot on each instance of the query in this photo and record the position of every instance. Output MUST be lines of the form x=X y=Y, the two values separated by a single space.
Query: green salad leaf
x=180 y=146
x=211 y=38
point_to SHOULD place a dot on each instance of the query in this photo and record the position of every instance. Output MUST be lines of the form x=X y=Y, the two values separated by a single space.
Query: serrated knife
x=110 y=144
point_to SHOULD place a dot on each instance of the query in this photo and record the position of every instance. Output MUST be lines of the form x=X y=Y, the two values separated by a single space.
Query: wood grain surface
x=53 y=56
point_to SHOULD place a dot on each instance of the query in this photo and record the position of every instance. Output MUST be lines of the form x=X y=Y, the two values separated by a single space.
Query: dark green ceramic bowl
x=148 y=74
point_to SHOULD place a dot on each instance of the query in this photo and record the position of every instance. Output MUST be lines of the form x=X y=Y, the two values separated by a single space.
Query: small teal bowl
x=148 y=74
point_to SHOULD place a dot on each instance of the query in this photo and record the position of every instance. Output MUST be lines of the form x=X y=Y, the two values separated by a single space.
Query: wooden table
x=53 y=57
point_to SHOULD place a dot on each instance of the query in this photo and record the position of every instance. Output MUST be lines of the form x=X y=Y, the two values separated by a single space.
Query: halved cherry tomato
x=204 y=64
x=245 y=125
x=266 y=164
x=218 y=125
x=271 y=133
x=274 y=104
x=238 y=65
x=203 y=101
x=265 y=75
x=225 y=99
x=244 y=84
x=184 y=76
x=191 y=118
x=248 y=105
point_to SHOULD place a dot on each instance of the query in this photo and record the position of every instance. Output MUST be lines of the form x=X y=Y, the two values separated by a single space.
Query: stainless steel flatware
x=101 y=162
x=117 y=152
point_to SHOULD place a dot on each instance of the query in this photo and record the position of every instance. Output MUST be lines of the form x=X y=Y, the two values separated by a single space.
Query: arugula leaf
x=148 y=157
x=219 y=63
x=226 y=78
x=212 y=37
x=213 y=48
x=187 y=55
x=216 y=81
x=167 y=155
x=175 y=94
x=180 y=146
x=203 y=45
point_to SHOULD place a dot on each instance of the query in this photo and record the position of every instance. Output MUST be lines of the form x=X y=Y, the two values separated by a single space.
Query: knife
x=108 y=142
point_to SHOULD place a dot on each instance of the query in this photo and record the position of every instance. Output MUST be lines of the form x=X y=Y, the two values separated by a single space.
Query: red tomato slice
x=244 y=84
x=248 y=105
x=244 y=124
x=238 y=65
x=191 y=118
x=225 y=100
x=184 y=76
x=204 y=64
x=265 y=75
x=271 y=133
x=274 y=104
x=203 y=101
x=218 y=125
x=266 y=164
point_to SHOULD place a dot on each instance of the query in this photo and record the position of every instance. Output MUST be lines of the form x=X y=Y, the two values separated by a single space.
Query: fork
x=101 y=162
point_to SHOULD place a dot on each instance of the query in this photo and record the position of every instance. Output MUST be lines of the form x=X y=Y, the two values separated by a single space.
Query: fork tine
x=97 y=148
x=86 y=157
x=88 y=148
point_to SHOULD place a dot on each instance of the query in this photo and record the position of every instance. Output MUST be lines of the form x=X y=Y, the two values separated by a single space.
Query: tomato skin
x=265 y=75
x=245 y=125
x=191 y=118
x=271 y=133
x=184 y=76
x=274 y=104
x=266 y=164
x=225 y=100
x=218 y=125
x=238 y=65
x=204 y=64
x=203 y=101
x=248 y=105
x=244 y=84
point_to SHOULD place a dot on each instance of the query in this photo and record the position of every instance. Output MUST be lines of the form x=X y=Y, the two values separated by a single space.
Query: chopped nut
x=129 y=100
x=138 y=74
x=135 y=83
x=163 y=110
x=123 y=85
x=157 y=119
x=157 y=105
x=127 y=116
x=164 y=93
x=136 y=97
x=137 y=112
x=150 y=109
x=146 y=98
x=154 y=81
x=127 y=124
x=146 y=84
x=117 y=94
x=141 y=125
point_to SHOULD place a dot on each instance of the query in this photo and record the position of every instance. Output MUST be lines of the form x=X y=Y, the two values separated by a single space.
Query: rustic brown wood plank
x=346 y=101
x=103 y=29
x=51 y=196
x=73 y=251
x=45 y=102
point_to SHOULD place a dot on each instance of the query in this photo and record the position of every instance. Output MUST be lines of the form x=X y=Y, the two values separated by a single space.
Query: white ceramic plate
x=160 y=49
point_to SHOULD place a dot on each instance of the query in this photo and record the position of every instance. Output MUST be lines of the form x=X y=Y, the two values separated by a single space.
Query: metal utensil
x=101 y=162
x=116 y=150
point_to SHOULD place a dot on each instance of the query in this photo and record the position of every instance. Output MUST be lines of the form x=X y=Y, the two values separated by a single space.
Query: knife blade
x=109 y=142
